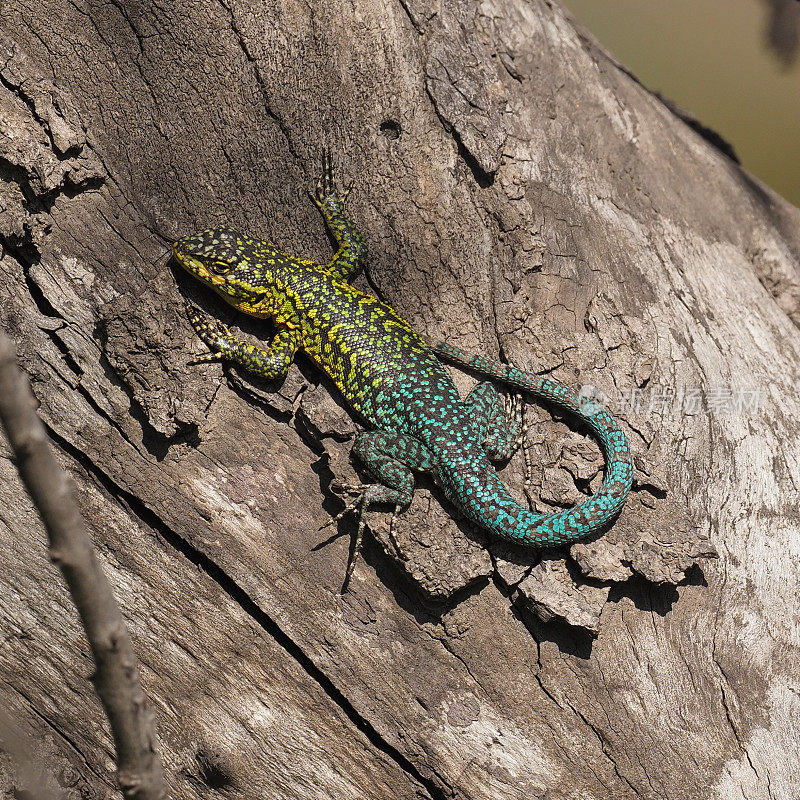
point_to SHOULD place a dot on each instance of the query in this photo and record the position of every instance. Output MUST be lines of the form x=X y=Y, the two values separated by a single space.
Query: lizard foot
x=359 y=504
x=352 y=506
x=515 y=409
x=212 y=333
x=365 y=495
x=327 y=190
x=393 y=536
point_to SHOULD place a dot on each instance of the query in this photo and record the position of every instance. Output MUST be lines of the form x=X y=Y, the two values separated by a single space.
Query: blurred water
x=735 y=64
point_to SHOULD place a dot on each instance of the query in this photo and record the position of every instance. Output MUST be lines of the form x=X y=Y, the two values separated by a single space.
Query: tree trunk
x=522 y=197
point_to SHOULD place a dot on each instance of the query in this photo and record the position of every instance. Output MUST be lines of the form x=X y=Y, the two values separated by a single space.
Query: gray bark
x=523 y=196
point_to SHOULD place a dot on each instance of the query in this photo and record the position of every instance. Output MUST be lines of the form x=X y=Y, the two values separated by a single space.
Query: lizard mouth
x=180 y=256
x=193 y=265
x=202 y=269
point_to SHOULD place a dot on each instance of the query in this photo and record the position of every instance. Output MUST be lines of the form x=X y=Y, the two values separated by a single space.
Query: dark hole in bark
x=391 y=129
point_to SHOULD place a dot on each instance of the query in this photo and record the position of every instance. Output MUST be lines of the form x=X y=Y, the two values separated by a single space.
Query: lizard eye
x=219 y=267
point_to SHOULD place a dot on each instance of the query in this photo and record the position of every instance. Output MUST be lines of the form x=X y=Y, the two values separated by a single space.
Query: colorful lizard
x=394 y=381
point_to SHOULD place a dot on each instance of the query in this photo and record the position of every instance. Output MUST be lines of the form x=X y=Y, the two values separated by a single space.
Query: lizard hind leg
x=390 y=457
x=500 y=429
x=518 y=429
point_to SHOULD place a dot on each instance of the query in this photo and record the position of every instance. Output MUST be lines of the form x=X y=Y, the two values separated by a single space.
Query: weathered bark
x=523 y=196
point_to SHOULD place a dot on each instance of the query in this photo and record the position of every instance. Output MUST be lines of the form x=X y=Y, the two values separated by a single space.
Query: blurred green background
x=734 y=64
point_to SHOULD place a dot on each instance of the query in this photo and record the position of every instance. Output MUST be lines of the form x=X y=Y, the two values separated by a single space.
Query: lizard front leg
x=270 y=364
x=352 y=253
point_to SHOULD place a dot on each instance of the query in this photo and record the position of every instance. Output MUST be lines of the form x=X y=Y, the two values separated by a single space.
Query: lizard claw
x=346 y=192
x=212 y=333
x=327 y=191
x=393 y=536
x=352 y=506
x=205 y=358
x=350 y=488
x=359 y=504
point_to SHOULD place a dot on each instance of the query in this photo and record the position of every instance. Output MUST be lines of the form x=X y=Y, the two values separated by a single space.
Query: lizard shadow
x=655 y=598
x=570 y=640
x=407 y=593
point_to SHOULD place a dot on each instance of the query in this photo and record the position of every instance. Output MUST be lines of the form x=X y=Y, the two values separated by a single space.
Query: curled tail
x=593 y=514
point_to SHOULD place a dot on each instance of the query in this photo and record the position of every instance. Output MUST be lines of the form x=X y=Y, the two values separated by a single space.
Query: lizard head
x=222 y=258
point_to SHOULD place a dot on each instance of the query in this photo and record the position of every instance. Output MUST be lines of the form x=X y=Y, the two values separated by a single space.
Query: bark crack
x=262 y=84
x=239 y=595
x=583 y=719
x=59 y=732
x=417 y=27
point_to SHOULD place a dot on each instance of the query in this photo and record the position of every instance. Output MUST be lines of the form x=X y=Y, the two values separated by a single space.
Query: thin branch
x=116 y=680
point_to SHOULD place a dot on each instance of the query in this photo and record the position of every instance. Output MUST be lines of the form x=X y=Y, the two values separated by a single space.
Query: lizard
x=394 y=381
